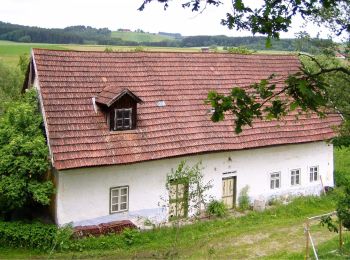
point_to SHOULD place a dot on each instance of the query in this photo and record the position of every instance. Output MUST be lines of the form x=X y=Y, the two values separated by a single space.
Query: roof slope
x=80 y=137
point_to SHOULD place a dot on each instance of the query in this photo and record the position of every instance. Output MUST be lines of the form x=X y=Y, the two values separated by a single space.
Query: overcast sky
x=116 y=14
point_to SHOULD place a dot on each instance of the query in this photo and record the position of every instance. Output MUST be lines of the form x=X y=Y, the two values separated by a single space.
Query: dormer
x=120 y=108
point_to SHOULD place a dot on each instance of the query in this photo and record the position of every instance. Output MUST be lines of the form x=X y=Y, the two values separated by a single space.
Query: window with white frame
x=313 y=170
x=275 y=180
x=119 y=199
x=122 y=119
x=295 y=177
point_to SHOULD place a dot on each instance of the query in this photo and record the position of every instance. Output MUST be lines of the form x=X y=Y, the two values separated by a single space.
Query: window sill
x=131 y=131
x=119 y=212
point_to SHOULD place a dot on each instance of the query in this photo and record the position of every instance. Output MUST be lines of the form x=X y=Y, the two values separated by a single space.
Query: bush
x=131 y=236
x=34 y=235
x=217 y=208
x=342 y=178
x=243 y=199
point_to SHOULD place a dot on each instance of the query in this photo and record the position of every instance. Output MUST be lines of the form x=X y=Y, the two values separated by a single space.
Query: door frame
x=234 y=199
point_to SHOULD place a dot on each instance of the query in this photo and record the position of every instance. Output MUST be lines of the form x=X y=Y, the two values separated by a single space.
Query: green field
x=141 y=37
x=11 y=51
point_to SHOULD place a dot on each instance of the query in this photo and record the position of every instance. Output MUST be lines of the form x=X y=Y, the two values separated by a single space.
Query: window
x=119 y=199
x=275 y=182
x=122 y=119
x=313 y=173
x=295 y=177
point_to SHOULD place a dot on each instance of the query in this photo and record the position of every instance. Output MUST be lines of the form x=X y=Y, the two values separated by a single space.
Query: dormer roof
x=110 y=95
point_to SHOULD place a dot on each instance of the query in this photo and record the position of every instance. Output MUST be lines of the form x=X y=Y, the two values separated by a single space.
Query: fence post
x=307 y=226
x=340 y=235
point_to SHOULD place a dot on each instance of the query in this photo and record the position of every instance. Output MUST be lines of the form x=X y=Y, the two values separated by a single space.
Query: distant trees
x=73 y=34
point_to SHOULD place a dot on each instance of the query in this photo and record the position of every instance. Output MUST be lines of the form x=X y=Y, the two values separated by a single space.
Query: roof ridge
x=168 y=52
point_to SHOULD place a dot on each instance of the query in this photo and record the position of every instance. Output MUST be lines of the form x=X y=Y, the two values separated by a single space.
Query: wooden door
x=229 y=191
x=178 y=199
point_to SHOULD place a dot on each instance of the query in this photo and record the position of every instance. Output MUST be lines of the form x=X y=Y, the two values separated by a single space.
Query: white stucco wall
x=83 y=194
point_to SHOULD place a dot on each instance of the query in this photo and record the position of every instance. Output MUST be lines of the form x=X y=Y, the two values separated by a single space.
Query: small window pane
x=123 y=199
x=123 y=206
x=115 y=200
x=115 y=207
x=127 y=114
x=115 y=193
x=124 y=191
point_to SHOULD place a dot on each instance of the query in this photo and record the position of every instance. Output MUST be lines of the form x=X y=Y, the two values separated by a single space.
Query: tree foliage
x=322 y=84
x=24 y=156
x=273 y=17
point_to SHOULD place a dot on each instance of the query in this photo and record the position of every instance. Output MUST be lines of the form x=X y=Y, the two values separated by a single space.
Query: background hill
x=123 y=37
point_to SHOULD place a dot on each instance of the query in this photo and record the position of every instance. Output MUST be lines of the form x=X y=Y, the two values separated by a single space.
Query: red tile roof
x=80 y=137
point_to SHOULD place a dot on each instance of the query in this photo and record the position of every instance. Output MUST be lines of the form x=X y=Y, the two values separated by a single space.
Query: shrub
x=131 y=236
x=35 y=235
x=240 y=50
x=217 y=208
x=342 y=178
x=243 y=199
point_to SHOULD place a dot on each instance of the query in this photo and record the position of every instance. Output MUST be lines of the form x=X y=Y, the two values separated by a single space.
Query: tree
x=275 y=16
x=24 y=157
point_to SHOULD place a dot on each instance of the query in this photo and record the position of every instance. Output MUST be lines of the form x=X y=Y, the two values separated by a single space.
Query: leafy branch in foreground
x=273 y=17
x=272 y=98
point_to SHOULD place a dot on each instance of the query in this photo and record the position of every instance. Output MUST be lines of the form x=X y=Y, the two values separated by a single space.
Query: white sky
x=116 y=14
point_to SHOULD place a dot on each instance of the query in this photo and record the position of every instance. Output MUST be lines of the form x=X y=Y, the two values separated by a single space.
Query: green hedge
x=33 y=235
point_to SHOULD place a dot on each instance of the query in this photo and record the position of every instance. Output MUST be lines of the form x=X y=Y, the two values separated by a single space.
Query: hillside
x=141 y=37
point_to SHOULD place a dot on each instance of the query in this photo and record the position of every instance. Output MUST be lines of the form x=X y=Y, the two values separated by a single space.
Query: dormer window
x=122 y=119
x=120 y=108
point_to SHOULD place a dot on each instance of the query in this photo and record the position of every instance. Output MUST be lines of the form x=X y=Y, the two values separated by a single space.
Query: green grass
x=10 y=51
x=141 y=37
x=326 y=250
x=224 y=238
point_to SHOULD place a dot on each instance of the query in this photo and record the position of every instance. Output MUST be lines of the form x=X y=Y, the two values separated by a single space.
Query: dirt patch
x=264 y=243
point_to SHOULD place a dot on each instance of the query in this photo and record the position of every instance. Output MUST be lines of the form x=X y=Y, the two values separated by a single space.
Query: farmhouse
x=117 y=123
